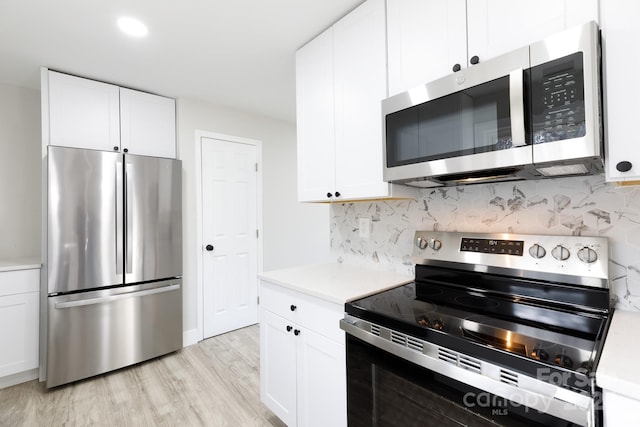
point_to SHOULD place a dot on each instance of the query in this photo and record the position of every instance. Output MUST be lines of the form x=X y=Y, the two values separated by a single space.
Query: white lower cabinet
x=302 y=358
x=19 y=327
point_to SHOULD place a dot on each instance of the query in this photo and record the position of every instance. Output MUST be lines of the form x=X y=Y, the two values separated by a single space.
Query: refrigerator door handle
x=129 y=208
x=111 y=298
x=119 y=219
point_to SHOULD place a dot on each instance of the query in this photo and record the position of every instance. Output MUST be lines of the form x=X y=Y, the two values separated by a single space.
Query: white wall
x=293 y=233
x=20 y=172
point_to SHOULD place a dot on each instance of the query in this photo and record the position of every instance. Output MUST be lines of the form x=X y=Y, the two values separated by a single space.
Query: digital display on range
x=492 y=246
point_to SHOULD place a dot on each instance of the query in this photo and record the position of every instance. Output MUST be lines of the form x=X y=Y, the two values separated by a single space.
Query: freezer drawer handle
x=112 y=298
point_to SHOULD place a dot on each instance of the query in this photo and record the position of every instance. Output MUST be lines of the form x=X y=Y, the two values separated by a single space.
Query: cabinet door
x=148 y=124
x=425 y=38
x=278 y=366
x=19 y=316
x=315 y=124
x=619 y=31
x=322 y=381
x=498 y=26
x=360 y=85
x=83 y=113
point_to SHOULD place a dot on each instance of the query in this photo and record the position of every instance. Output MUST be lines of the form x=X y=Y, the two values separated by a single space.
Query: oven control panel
x=581 y=256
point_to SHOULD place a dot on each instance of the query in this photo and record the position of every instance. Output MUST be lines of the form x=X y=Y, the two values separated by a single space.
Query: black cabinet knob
x=624 y=166
x=209 y=247
x=329 y=195
x=474 y=60
x=456 y=68
x=289 y=328
x=296 y=332
x=126 y=150
x=337 y=194
x=293 y=307
x=116 y=148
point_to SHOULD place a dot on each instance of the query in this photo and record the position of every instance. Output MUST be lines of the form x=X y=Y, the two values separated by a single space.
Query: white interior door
x=229 y=235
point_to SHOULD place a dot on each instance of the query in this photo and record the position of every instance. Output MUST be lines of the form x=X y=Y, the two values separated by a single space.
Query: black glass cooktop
x=520 y=323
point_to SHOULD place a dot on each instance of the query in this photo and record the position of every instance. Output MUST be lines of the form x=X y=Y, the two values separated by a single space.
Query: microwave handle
x=516 y=102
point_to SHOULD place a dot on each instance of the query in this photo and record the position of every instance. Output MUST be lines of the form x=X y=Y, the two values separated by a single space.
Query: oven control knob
x=540 y=354
x=587 y=255
x=435 y=244
x=560 y=253
x=537 y=251
x=421 y=243
x=563 y=360
x=437 y=324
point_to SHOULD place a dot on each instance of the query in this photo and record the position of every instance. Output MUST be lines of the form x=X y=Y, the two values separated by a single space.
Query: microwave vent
x=562 y=170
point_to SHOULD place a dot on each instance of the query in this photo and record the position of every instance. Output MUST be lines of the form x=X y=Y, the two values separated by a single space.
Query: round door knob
x=624 y=166
x=116 y=148
x=435 y=244
x=537 y=251
x=587 y=255
x=421 y=243
x=296 y=332
x=209 y=247
x=126 y=150
x=456 y=68
x=289 y=328
x=293 y=307
x=560 y=253
x=563 y=360
x=474 y=60
x=329 y=195
x=337 y=194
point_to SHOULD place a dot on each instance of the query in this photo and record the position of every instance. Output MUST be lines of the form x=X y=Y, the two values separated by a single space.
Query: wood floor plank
x=213 y=383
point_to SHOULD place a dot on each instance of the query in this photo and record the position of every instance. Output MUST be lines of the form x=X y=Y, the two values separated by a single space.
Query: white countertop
x=19 y=264
x=618 y=370
x=335 y=282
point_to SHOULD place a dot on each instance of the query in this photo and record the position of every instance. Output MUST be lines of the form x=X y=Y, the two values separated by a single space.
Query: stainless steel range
x=497 y=329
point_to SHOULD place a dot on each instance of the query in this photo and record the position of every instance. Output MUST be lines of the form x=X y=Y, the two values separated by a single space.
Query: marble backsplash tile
x=586 y=206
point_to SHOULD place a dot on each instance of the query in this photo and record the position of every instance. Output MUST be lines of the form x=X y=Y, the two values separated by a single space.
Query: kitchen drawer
x=313 y=313
x=19 y=281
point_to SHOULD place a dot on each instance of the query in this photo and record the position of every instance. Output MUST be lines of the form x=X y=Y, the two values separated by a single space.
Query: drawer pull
x=296 y=332
x=289 y=328
x=293 y=307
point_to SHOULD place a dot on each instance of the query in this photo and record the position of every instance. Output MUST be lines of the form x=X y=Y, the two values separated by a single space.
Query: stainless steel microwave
x=529 y=114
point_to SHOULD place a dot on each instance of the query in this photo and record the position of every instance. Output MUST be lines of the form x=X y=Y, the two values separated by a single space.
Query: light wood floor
x=213 y=383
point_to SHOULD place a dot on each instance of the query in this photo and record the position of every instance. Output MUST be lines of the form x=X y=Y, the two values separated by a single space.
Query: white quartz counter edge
x=19 y=264
x=333 y=282
x=618 y=370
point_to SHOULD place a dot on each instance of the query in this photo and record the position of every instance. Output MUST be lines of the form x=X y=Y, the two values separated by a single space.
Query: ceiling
x=235 y=53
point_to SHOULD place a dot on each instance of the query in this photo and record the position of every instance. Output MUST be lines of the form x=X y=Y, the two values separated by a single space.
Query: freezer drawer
x=96 y=332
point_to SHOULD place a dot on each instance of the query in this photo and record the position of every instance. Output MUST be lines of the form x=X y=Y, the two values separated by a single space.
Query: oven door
x=386 y=390
x=472 y=120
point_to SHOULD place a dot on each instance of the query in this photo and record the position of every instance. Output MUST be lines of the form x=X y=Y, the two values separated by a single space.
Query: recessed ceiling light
x=132 y=26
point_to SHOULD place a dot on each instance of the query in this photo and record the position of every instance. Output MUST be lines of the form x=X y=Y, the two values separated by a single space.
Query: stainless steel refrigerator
x=113 y=261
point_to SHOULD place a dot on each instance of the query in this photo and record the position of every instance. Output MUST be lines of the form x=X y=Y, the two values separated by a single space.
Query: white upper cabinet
x=83 y=113
x=620 y=34
x=89 y=114
x=315 y=123
x=147 y=124
x=341 y=79
x=427 y=38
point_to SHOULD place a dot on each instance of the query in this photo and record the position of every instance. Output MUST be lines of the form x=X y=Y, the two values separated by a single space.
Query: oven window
x=474 y=120
x=386 y=391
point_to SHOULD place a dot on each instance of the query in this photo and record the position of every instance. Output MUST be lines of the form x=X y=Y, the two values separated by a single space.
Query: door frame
x=200 y=134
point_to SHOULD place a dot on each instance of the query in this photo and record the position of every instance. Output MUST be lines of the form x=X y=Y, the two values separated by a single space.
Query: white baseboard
x=189 y=337
x=20 y=377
